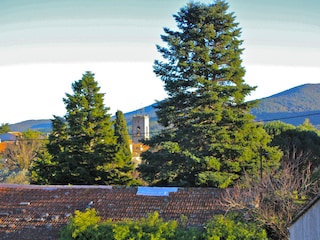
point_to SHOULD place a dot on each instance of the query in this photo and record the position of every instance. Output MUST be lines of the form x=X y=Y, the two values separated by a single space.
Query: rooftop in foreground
x=39 y=212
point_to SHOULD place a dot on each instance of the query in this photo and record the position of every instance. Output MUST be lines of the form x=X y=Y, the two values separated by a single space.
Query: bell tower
x=140 y=128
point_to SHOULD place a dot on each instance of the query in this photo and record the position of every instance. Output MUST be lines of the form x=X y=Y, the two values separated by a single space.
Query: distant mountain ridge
x=298 y=99
x=291 y=106
x=43 y=125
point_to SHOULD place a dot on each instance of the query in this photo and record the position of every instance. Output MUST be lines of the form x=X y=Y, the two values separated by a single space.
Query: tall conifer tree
x=121 y=132
x=210 y=137
x=124 y=169
x=82 y=147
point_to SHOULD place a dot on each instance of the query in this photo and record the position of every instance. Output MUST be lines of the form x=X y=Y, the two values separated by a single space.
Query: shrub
x=82 y=226
x=232 y=227
x=87 y=225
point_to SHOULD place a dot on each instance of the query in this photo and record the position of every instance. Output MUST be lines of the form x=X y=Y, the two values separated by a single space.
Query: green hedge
x=88 y=225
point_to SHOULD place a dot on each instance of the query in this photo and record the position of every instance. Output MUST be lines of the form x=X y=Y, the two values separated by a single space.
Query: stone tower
x=140 y=128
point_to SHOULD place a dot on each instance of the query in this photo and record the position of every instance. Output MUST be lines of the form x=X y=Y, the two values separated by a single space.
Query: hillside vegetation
x=298 y=99
x=291 y=106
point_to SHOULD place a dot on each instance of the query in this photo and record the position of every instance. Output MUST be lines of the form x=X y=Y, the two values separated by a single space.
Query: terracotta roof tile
x=39 y=212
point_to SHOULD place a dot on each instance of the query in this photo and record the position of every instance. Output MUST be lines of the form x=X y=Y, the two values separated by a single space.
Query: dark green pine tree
x=82 y=147
x=210 y=137
x=124 y=169
x=121 y=132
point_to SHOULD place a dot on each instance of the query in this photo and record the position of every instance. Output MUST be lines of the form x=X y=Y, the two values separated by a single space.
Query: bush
x=232 y=227
x=83 y=225
x=87 y=225
x=20 y=177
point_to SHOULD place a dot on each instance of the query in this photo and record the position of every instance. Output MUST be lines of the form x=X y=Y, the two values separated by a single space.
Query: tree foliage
x=121 y=132
x=124 y=169
x=4 y=128
x=233 y=226
x=151 y=227
x=87 y=225
x=82 y=147
x=23 y=152
x=300 y=144
x=210 y=138
x=275 y=200
x=81 y=225
x=17 y=158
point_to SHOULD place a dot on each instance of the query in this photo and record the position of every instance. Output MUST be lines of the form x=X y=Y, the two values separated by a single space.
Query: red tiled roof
x=39 y=212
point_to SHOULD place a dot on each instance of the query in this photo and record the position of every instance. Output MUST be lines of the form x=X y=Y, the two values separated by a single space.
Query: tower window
x=138 y=131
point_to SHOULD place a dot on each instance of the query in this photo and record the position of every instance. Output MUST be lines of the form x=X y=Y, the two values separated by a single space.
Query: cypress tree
x=124 y=169
x=121 y=132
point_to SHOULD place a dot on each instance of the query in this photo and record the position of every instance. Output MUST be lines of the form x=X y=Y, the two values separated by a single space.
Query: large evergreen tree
x=82 y=147
x=210 y=137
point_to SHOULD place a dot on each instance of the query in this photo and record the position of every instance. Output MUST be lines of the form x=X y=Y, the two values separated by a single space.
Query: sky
x=47 y=45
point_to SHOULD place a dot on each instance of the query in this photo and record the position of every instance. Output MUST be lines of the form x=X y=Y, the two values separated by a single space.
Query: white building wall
x=307 y=226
